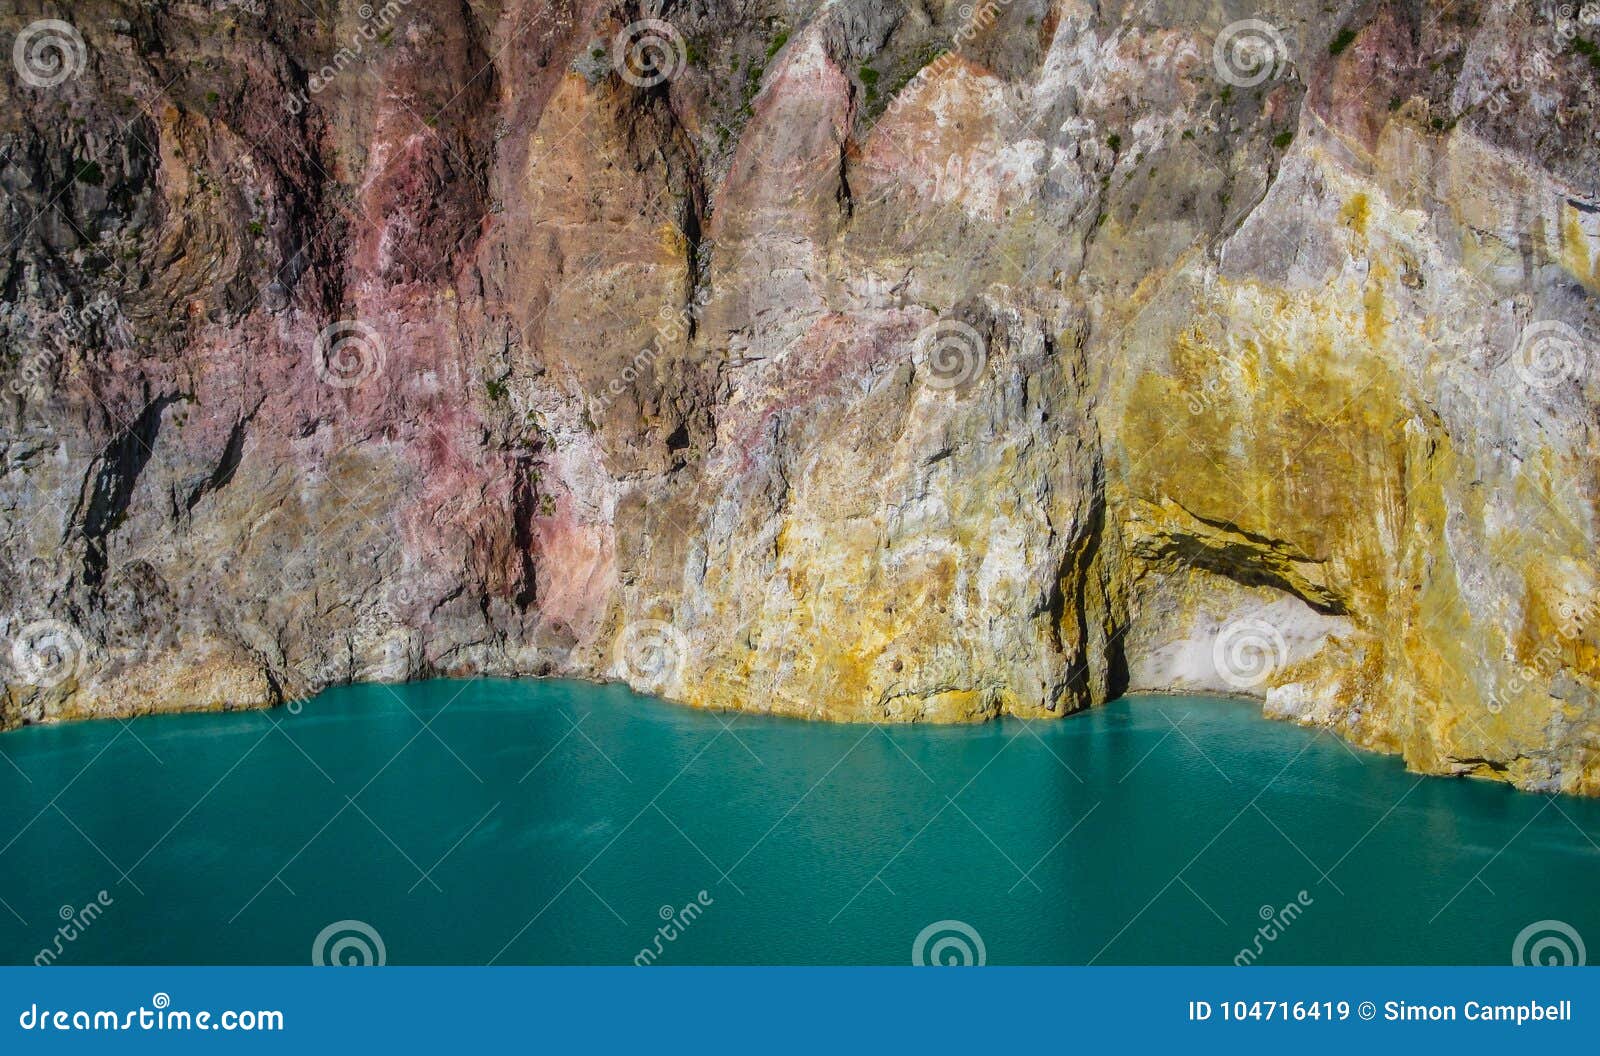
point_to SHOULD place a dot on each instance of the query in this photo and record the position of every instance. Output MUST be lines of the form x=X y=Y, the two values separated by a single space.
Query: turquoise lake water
x=555 y=822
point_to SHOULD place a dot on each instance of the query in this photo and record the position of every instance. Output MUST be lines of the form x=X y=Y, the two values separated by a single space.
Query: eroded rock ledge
x=885 y=361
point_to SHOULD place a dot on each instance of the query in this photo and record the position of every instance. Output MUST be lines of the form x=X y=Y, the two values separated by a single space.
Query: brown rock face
x=870 y=360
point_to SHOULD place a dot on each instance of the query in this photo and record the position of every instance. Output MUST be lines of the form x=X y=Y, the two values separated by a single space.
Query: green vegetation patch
x=779 y=39
x=1588 y=49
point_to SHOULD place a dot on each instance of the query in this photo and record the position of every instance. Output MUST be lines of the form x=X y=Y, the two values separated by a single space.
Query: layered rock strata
x=860 y=360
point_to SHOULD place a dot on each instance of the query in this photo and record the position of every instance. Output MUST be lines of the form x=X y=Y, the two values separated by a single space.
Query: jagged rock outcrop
x=874 y=360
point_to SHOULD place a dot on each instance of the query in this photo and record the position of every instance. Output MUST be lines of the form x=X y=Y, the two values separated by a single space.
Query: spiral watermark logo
x=1248 y=52
x=347 y=353
x=46 y=653
x=949 y=944
x=349 y=944
x=1549 y=944
x=1276 y=920
x=1549 y=353
x=48 y=52
x=75 y=923
x=1573 y=616
x=677 y=922
x=399 y=600
x=1570 y=19
x=955 y=354
x=651 y=653
x=647 y=52
x=1247 y=652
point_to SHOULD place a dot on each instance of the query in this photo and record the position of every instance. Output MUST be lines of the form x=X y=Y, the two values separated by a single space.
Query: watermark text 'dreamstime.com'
x=157 y=1016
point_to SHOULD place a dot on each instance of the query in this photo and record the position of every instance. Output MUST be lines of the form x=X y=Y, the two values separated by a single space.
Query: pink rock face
x=855 y=361
x=785 y=173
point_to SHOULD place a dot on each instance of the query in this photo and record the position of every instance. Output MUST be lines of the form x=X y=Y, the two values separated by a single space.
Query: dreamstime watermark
x=869 y=288
x=159 y=1015
x=399 y=599
x=953 y=354
x=349 y=944
x=1208 y=396
x=376 y=25
x=1567 y=20
x=1215 y=389
x=651 y=654
x=648 y=52
x=46 y=653
x=1539 y=65
x=1277 y=921
x=1549 y=944
x=1572 y=618
x=347 y=353
x=1266 y=319
x=677 y=922
x=642 y=361
x=77 y=921
x=1533 y=672
x=1247 y=652
x=974 y=182
x=49 y=52
x=1549 y=353
x=76 y=325
x=52 y=339
x=949 y=944
x=1545 y=660
x=974 y=20
x=673 y=324
x=1250 y=51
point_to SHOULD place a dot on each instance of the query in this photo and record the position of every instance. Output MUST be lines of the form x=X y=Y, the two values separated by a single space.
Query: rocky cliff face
x=872 y=360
